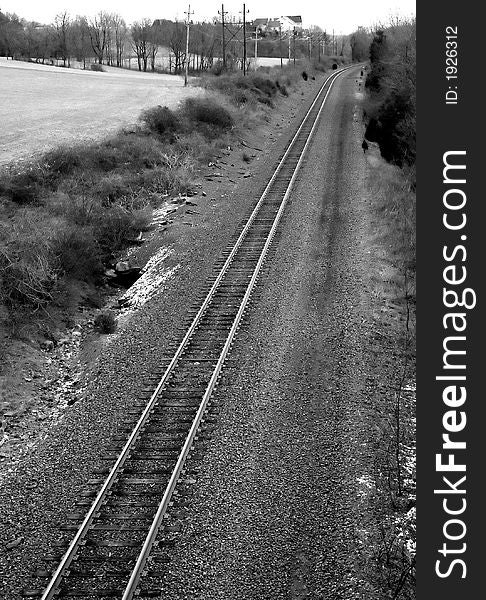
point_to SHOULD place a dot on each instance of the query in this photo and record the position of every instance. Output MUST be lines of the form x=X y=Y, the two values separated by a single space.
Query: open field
x=43 y=106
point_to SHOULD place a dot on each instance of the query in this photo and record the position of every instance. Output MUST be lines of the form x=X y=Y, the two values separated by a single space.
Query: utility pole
x=280 y=44
x=223 y=38
x=295 y=34
x=188 y=25
x=256 y=44
x=244 y=40
x=289 y=45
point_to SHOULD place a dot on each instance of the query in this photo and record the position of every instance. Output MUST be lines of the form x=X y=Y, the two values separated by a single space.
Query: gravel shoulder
x=38 y=491
x=279 y=510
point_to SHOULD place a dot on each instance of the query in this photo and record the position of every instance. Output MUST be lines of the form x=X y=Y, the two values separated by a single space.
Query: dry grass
x=389 y=555
x=258 y=87
x=395 y=211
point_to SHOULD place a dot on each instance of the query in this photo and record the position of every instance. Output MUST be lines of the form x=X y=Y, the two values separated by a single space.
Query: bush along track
x=391 y=104
x=388 y=534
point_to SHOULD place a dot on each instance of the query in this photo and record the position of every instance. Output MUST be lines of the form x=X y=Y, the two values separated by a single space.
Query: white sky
x=343 y=16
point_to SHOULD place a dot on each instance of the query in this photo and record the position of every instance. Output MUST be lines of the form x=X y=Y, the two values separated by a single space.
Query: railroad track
x=108 y=557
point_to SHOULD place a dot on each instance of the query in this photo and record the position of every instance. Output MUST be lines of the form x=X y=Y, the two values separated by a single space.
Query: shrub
x=26 y=278
x=217 y=68
x=240 y=96
x=266 y=100
x=97 y=67
x=209 y=112
x=63 y=161
x=246 y=157
x=161 y=120
x=108 y=156
x=22 y=188
x=111 y=187
x=141 y=219
x=177 y=180
x=79 y=210
x=105 y=322
x=393 y=128
x=127 y=150
x=322 y=67
x=264 y=84
x=112 y=227
x=77 y=253
x=27 y=271
x=193 y=146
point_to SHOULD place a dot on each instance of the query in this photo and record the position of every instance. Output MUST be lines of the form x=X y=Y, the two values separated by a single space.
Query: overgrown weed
x=390 y=549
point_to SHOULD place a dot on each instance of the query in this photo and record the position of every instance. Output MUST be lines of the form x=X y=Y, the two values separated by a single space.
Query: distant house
x=272 y=25
x=291 y=23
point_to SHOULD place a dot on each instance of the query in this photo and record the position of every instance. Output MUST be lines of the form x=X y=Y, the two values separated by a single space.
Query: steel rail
x=164 y=504
x=51 y=589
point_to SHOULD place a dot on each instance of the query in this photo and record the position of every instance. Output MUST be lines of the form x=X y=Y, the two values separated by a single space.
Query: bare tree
x=42 y=41
x=62 y=23
x=203 y=45
x=28 y=41
x=46 y=43
x=81 y=44
x=12 y=35
x=99 y=33
x=360 y=44
x=120 y=37
x=177 y=45
x=155 y=41
x=141 y=42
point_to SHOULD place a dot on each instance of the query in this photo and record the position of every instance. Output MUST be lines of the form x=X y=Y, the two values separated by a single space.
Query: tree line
x=391 y=83
x=106 y=39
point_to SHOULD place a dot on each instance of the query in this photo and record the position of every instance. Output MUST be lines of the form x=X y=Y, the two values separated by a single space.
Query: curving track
x=116 y=544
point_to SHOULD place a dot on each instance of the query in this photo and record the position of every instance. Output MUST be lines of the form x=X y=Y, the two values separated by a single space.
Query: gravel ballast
x=276 y=510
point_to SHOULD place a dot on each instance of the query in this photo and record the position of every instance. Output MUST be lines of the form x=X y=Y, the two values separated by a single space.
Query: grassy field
x=42 y=106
